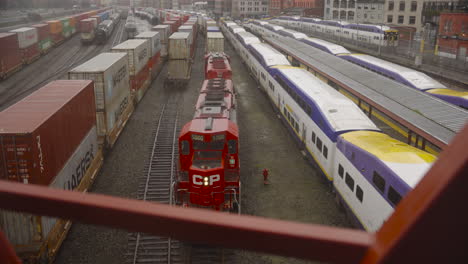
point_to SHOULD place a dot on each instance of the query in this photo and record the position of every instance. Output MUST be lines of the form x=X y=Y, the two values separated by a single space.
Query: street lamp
x=380 y=38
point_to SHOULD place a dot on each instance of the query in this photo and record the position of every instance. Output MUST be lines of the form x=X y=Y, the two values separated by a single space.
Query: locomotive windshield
x=216 y=143
x=207 y=159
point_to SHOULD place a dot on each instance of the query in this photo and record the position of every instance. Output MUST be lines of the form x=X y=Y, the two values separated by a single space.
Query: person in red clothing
x=265 y=176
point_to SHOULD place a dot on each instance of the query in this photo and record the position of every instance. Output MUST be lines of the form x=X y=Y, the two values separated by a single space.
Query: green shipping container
x=45 y=44
x=67 y=31
x=65 y=22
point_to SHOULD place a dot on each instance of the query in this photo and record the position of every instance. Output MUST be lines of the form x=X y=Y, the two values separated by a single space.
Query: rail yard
x=179 y=109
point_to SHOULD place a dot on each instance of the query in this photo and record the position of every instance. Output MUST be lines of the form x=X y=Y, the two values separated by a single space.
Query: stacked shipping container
x=10 y=56
x=48 y=138
x=180 y=56
x=154 y=62
x=214 y=42
x=110 y=74
x=138 y=51
x=56 y=31
x=27 y=41
x=164 y=33
x=44 y=40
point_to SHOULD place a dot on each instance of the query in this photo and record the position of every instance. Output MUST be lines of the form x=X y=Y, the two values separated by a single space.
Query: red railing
x=428 y=226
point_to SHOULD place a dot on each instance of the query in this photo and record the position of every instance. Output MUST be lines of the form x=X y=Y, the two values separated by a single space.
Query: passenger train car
x=401 y=74
x=369 y=171
x=364 y=33
x=409 y=77
x=209 y=175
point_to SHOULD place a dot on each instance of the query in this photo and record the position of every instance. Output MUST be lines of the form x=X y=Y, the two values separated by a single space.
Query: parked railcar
x=369 y=171
x=209 y=169
x=364 y=33
x=409 y=77
x=104 y=31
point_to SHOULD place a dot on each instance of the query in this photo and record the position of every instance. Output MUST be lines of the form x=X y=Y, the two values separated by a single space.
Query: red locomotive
x=209 y=151
x=217 y=66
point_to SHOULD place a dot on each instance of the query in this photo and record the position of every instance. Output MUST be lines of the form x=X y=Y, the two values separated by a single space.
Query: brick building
x=453 y=35
x=298 y=7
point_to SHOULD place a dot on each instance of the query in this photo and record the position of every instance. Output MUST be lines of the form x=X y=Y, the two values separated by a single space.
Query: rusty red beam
x=7 y=253
x=193 y=225
x=430 y=225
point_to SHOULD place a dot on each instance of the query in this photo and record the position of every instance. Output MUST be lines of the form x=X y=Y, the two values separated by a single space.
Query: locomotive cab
x=208 y=163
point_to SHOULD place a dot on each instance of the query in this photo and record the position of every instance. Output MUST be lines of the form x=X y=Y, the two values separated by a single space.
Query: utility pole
x=424 y=34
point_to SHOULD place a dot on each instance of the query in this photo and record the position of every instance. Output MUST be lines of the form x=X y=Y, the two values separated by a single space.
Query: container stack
x=154 y=62
x=164 y=33
x=48 y=138
x=214 y=42
x=10 y=56
x=27 y=41
x=56 y=31
x=109 y=71
x=44 y=39
x=138 y=51
x=180 y=56
x=66 y=27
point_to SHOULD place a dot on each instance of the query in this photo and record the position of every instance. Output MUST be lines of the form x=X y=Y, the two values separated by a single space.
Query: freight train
x=209 y=169
x=105 y=29
x=362 y=33
x=91 y=109
x=368 y=170
x=398 y=73
x=24 y=45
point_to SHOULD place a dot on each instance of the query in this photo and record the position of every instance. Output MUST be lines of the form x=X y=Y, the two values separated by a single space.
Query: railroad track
x=156 y=186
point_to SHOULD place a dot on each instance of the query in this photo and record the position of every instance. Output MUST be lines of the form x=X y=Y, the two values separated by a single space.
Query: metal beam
x=430 y=225
x=330 y=244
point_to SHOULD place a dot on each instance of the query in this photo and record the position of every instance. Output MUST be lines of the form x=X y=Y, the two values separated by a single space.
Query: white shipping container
x=186 y=28
x=23 y=229
x=27 y=36
x=138 y=51
x=179 y=69
x=154 y=40
x=164 y=32
x=179 y=45
x=214 y=42
x=109 y=71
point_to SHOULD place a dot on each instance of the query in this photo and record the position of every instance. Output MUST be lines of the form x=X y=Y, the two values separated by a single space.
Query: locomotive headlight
x=205 y=181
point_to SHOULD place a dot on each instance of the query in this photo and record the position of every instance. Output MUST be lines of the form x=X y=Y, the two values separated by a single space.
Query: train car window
x=271 y=86
x=378 y=181
x=263 y=76
x=340 y=170
x=313 y=137
x=359 y=193
x=297 y=127
x=393 y=196
x=308 y=110
x=232 y=146
x=325 y=152
x=319 y=144
x=349 y=181
x=185 y=147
